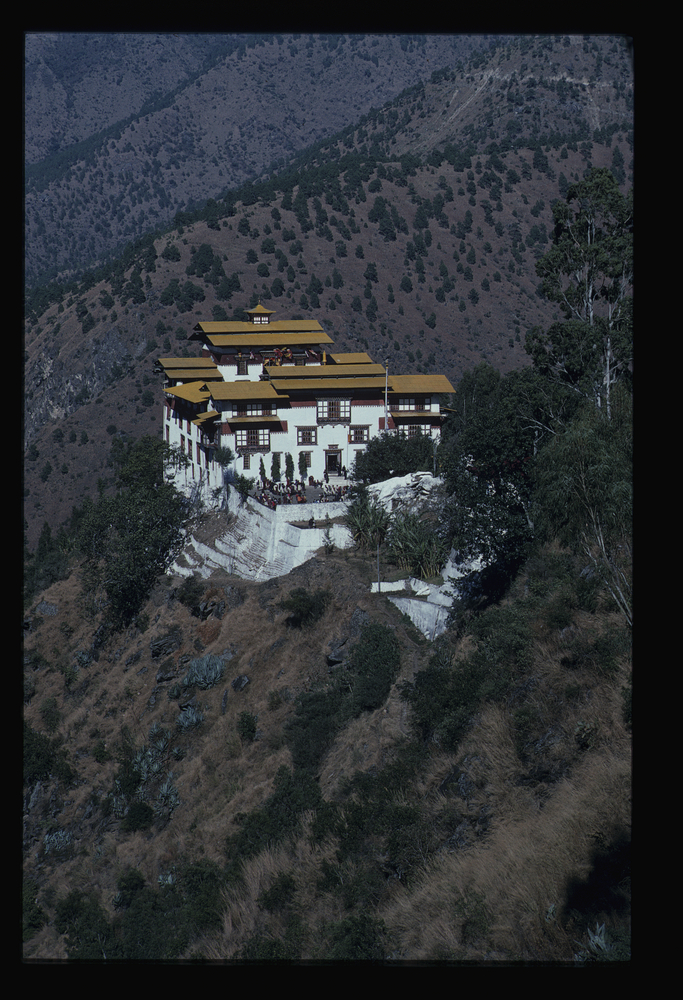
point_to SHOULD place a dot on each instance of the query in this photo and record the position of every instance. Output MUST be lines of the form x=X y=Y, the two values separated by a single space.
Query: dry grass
x=520 y=870
x=488 y=899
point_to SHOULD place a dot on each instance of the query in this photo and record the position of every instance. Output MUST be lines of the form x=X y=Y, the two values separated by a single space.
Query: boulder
x=165 y=644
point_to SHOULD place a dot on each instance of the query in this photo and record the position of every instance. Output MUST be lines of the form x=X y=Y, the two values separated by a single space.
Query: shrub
x=246 y=727
x=204 y=672
x=307 y=608
x=43 y=758
x=357 y=938
x=140 y=816
x=190 y=717
x=445 y=695
x=33 y=915
x=279 y=895
x=50 y=714
x=309 y=735
x=375 y=662
x=190 y=591
x=295 y=793
x=85 y=924
x=128 y=884
x=413 y=545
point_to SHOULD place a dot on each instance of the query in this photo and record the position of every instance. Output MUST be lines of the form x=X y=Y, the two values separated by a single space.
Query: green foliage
x=445 y=695
x=373 y=665
x=149 y=925
x=414 y=545
x=279 y=817
x=589 y=272
x=584 y=494
x=44 y=758
x=310 y=733
x=306 y=608
x=357 y=938
x=33 y=915
x=246 y=727
x=139 y=817
x=224 y=456
x=367 y=520
x=130 y=538
x=190 y=591
x=51 y=561
x=50 y=714
x=243 y=485
x=128 y=885
x=171 y=252
x=80 y=917
x=279 y=895
x=392 y=455
x=204 y=672
x=364 y=685
x=474 y=917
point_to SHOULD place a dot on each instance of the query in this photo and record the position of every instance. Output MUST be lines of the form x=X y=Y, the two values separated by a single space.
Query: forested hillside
x=125 y=130
x=225 y=771
x=412 y=234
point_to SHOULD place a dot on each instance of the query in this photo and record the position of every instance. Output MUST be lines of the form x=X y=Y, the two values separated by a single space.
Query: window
x=413 y=404
x=414 y=430
x=358 y=435
x=246 y=461
x=308 y=456
x=334 y=410
x=244 y=409
x=256 y=438
x=306 y=435
x=242 y=366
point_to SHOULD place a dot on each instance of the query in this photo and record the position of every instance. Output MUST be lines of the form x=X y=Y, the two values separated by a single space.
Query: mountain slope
x=412 y=234
x=510 y=846
x=123 y=131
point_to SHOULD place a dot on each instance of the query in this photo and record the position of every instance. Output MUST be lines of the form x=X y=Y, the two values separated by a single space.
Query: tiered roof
x=340 y=372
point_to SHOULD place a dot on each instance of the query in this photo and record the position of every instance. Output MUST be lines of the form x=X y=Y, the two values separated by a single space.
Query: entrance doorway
x=333 y=463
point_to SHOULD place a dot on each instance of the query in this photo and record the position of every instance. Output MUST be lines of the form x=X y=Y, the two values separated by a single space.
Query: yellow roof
x=260 y=309
x=357 y=358
x=330 y=384
x=211 y=374
x=207 y=415
x=232 y=327
x=244 y=390
x=268 y=340
x=187 y=363
x=193 y=392
x=323 y=371
x=419 y=383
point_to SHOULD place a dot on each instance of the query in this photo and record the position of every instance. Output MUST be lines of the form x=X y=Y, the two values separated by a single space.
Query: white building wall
x=330 y=436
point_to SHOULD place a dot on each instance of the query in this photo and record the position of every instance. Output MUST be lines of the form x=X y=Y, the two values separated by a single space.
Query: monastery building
x=266 y=386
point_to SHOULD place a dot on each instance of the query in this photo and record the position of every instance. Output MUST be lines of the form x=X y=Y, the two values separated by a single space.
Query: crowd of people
x=272 y=494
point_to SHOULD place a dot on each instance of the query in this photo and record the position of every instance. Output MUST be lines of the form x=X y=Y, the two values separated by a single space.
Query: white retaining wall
x=262 y=544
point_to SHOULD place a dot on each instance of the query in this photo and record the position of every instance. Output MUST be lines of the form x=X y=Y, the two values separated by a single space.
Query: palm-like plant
x=414 y=546
x=367 y=521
